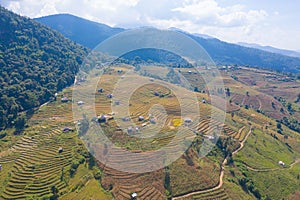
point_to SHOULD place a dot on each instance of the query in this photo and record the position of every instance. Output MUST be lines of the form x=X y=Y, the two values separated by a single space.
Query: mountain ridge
x=67 y=23
x=271 y=49
x=223 y=53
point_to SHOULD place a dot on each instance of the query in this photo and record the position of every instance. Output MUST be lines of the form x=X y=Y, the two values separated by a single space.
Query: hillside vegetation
x=35 y=62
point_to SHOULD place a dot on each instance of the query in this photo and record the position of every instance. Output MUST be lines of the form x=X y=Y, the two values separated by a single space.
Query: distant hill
x=82 y=31
x=224 y=53
x=35 y=62
x=91 y=34
x=272 y=49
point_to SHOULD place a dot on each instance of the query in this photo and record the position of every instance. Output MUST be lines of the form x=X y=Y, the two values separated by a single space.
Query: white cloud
x=231 y=22
x=210 y=13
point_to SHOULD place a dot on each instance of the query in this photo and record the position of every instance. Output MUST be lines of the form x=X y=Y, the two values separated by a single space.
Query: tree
x=54 y=191
x=20 y=122
x=34 y=63
x=273 y=105
x=167 y=182
x=279 y=126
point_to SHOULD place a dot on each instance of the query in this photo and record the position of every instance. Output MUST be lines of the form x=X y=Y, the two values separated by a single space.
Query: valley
x=78 y=123
x=249 y=145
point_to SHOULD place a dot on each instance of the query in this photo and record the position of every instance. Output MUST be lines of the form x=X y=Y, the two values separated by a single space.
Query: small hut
x=188 y=120
x=100 y=90
x=66 y=129
x=0 y=168
x=281 y=163
x=133 y=196
x=156 y=94
x=110 y=96
x=64 y=99
x=144 y=124
x=125 y=119
x=152 y=121
x=80 y=103
x=102 y=119
x=60 y=150
x=129 y=130
x=141 y=118
x=117 y=103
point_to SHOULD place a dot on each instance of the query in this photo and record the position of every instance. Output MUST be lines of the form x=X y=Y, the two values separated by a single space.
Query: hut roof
x=188 y=120
x=80 y=103
x=133 y=195
x=65 y=99
x=141 y=118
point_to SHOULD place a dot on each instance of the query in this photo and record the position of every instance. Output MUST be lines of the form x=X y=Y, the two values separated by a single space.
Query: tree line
x=35 y=63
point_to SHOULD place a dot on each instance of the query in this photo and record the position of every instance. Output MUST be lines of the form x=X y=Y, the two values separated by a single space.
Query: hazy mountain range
x=90 y=34
x=272 y=49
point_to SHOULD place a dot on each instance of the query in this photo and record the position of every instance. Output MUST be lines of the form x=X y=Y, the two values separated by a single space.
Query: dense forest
x=35 y=63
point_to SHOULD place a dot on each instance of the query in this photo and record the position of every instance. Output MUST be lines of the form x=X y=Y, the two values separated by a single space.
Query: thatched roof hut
x=60 y=150
x=64 y=99
x=102 y=119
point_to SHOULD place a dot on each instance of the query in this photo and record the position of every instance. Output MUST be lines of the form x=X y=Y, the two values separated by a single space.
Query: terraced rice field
x=38 y=165
x=147 y=185
x=141 y=103
x=219 y=194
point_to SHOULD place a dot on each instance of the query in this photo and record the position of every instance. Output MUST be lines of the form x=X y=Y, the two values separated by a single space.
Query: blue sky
x=265 y=22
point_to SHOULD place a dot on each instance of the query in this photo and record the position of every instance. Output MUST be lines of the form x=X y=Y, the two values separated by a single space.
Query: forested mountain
x=82 y=31
x=35 y=62
x=90 y=34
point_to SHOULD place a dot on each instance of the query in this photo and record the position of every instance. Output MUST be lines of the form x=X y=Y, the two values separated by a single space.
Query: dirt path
x=260 y=104
x=240 y=131
x=295 y=162
x=274 y=169
x=242 y=144
x=221 y=173
x=243 y=141
x=244 y=99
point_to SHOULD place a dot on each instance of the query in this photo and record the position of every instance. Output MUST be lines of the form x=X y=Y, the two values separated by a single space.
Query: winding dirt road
x=221 y=173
